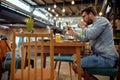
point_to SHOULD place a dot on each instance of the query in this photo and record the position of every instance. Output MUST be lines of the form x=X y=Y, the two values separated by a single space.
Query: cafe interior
x=43 y=24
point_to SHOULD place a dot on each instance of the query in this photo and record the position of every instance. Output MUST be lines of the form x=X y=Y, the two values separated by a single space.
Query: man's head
x=88 y=15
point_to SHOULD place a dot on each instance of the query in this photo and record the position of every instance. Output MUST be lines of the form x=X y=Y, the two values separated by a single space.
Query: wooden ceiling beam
x=61 y=4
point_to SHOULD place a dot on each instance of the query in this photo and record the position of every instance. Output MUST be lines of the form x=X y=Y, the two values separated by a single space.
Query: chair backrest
x=4 y=48
x=35 y=43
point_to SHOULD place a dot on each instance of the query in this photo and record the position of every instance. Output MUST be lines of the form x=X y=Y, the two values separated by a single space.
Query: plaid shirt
x=100 y=35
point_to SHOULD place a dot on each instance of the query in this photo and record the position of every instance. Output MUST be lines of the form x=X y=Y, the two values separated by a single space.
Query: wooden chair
x=38 y=72
x=5 y=65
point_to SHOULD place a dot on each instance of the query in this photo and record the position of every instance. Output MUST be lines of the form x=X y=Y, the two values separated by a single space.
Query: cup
x=57 y=37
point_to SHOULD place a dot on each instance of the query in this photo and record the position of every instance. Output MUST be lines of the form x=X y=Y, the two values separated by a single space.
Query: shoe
x=92 y=77
x=88 y=76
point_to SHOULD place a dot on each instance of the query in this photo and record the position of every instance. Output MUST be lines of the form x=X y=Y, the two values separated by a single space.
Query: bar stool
x=64 y=58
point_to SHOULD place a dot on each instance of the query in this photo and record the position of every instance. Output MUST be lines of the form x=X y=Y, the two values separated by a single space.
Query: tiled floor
x=64 y=73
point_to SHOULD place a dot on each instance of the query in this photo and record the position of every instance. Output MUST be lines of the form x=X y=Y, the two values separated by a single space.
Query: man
x=100 y=36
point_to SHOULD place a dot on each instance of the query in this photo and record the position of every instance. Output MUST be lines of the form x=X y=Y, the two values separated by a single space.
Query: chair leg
x=55 y=64
x=70 y=64
x=32 y=63
x=9 y=74
x=59 y=67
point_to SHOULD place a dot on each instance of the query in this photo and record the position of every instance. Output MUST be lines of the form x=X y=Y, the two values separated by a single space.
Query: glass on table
x=57 y=37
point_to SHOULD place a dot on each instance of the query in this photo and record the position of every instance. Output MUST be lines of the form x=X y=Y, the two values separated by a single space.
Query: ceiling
x=70 y=10
x=8 y=16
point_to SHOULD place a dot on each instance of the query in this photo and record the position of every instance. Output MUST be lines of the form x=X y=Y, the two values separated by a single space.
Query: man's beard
x=89 y=22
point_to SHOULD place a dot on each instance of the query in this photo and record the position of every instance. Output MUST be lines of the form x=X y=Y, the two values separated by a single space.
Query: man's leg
x=85 y=74
x=88 y=61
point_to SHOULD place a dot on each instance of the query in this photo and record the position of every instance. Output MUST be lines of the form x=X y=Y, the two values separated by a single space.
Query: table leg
x=44 y=60
x=78 y=63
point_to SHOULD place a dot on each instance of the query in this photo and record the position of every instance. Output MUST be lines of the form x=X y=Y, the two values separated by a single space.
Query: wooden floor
x=64 y=73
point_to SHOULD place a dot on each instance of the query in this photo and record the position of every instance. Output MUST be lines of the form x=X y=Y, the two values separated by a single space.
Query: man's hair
x=88 y=10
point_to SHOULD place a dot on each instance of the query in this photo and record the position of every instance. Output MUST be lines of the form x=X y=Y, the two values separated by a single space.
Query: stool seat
x=63 y=58
x=103 y=71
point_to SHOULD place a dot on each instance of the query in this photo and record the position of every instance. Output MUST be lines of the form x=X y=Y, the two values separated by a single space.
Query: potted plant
x=30 y=23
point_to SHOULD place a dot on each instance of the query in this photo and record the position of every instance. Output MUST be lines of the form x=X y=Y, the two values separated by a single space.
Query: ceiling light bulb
x=56 y=15
x=55 y=18
x=53 y=10
x=59 y=18
x=49 y=8
x=46 y=14
x=63 y=10
x=100 y=13
x=50 y=15
x=55 y=6
x=72 y=2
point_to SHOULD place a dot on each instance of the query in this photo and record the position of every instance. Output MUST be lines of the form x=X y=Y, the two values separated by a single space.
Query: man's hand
x=70 y=30
x=82 y=24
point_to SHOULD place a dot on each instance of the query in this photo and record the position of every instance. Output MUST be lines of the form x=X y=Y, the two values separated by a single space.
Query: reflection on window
x=39 y=14
x=20 y=4
x=28 y=8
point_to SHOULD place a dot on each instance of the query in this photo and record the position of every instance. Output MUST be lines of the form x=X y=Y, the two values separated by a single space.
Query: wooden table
x=66 y=48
